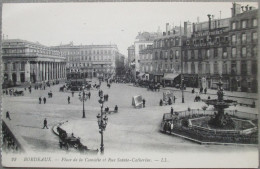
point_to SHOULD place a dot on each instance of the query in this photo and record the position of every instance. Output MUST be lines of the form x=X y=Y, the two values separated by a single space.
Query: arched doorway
x=22 y=76
x=14 y=79
x=244 y=85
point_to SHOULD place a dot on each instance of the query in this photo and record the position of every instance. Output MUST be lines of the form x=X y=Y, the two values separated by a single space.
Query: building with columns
x=87 y=61
x=29 y=62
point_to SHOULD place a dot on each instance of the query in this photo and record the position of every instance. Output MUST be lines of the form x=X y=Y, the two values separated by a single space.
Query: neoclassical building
x=87 y=61
x=25 y=61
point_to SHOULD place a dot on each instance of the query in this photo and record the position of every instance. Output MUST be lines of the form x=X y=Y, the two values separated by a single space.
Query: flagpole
x=182 y=94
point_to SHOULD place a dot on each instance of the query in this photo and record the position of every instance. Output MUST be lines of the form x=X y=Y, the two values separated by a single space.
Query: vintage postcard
x=130 y=84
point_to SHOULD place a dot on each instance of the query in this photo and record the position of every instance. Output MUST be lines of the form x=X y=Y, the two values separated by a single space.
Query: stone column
x=43 y=72
x=55 y=73
x=47 y=71
x=36 y=71
x=27 y=72
x=40 y=71
x=9 y=70
x=18 y=77
x=49 y=67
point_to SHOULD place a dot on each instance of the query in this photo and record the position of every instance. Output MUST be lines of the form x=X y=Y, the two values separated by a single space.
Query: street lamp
x=83 y=98
x=102 y=123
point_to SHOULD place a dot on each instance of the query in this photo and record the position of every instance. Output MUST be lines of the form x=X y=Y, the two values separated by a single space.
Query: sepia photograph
x=130 y=84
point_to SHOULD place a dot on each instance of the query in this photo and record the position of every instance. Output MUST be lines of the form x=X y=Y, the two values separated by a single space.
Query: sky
x=101 y=23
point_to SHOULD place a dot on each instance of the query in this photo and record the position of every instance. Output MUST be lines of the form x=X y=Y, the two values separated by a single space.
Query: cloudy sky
x=101 y=23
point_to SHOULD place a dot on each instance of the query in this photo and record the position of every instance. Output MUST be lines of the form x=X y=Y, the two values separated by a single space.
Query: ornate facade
x=30 y=62
x=87 y=61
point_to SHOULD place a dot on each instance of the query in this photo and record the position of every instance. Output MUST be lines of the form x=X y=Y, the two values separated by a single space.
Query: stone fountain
x=220 y=120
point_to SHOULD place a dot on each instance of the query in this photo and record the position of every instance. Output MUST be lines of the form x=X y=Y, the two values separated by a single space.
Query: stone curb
x=209 y=143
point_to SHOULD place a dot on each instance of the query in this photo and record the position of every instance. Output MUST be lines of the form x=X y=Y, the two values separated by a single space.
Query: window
x=254 y=68
x=234 y=39
x=255 y=36
x=243 y=38
x=13 y=66
x=215 y=52
x=82 y=58
x=208 y=53
x=176 y=54
x=161 y=55
x=86 y=58
x=171 y=54
x=254 y=51
x=243 y=51
x=233 y=25
x=166 y=55
x=234 y=52
x=5 y=66
x=81 y=52
x=254 y=22
x=243 y=68
x=244 y=24
x=233 y=67
x=224 y=68
x=215 y=68
x=207 y=68
x=224 y=52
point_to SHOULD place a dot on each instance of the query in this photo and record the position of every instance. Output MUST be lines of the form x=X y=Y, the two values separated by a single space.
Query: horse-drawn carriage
x=153 y=87
x=18 y=93
x=72 y=142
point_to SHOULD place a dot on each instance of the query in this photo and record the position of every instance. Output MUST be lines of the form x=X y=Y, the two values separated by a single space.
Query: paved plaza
x=131 y=130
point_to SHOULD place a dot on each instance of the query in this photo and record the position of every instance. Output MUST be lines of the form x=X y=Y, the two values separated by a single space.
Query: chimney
x=236 y=9
x=167 y=27
x=193 y=27
x=246 y=8
x=209 y=16
x=185 y=28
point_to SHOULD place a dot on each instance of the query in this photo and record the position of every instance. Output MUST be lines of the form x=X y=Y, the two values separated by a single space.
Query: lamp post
x=102 y=123
x=182 y=94
x=83 y=98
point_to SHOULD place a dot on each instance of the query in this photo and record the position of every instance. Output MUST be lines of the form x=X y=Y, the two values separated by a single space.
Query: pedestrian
x=201 y=89
x=25 y=88
x=116 y=108
x=193 y=91
x=6 y=91
x=45 y=124
x=68 y=100
x=171 y=111
x=107 y=97
x=72 y=93
x=170 y=101
x=40 y=100
x=161 y=102
x=8 y=115
x=143 y=103
x=205 y=90
x=208 y=97
x=89 y=94
x=44 y=100
x=30 y=90
x=174 y=98
x=44 y=87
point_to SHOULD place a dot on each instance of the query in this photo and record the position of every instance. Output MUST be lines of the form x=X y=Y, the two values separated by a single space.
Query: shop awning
x=170 y=76
x=140 y=74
